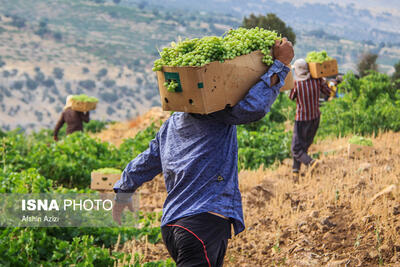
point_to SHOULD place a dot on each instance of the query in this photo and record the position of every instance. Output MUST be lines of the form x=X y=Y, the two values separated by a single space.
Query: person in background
x=332 y=84
x=306 y=91
x=198 y=156
x=74 y=119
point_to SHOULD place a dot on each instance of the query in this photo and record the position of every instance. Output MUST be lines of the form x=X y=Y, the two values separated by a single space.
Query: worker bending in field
x=306 y=91
x=73 y=118
x=198 y=156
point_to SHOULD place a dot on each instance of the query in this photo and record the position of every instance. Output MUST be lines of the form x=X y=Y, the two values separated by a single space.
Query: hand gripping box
x=214 y=86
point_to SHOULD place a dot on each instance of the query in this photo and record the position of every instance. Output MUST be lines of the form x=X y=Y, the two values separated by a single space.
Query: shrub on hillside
x=39 y=76
x=17 y=85
x=109 y=83
x=58 y=36
x=48 y=83
x=58 y=73
x=31 y=84
x=101 y=73
x=110 y=110
x=85 y=70
x=95 y=126
x=88 y=84
x=109 y=97
x=17 y=21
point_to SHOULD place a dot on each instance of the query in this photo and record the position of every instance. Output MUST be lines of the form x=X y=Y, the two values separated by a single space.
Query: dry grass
x=327 y=218
x=117 y=132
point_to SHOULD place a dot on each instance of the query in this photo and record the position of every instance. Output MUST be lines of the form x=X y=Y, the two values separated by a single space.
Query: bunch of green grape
x=318 y=57
x=85 y=98
x=171 y=86
x=234 y=43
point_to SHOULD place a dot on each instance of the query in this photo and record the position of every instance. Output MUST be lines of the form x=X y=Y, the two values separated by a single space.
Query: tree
x=103 y=72
x=17 y=21
x=270 y=22
x=109 y=83
x=31 y=84
x=396 y=74
x=58 y=73
x=367 y=63
x=88 y=84
x=57 y=36
x=142 y=5
x=85 y=70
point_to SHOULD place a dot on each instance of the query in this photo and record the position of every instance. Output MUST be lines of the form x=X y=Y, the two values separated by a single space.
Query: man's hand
x=283 y=51
x=118 y=208
x=55 y=138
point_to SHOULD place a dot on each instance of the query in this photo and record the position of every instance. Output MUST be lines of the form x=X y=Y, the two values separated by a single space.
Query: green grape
x=171 y=86
x=318 y=57
x=84 y=98
x=233 y=43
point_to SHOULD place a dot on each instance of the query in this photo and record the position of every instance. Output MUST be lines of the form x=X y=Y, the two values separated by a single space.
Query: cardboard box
x=212 y=87
x=101 y=181
x=325 y=69
x=358 y=151
x=82 y=106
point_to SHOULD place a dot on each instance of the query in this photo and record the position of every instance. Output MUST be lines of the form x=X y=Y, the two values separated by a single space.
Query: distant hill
x=52 y=48
x=348 y=19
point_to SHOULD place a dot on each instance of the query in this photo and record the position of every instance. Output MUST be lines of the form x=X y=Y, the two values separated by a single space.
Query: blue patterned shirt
x=198 y=156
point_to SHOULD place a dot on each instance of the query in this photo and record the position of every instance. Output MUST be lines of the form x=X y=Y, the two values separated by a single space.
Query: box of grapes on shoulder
x=214 y=86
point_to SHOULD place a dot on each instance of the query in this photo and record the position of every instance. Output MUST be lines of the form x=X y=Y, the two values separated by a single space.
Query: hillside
x=348 y=19
x=50 y=49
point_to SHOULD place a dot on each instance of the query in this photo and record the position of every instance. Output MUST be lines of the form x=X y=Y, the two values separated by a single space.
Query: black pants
x=303 y=137
x=198 y=240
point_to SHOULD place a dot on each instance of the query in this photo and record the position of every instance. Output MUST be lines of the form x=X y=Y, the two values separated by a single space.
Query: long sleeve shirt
x=307 y=94
x=198 y=155
x=74 y=120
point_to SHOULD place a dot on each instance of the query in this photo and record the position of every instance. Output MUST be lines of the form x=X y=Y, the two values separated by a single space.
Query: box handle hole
x=166 y=100
x=104 y=178
x=191 y=101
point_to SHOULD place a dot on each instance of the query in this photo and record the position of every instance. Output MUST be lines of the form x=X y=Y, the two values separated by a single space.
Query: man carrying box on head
x=306 y=91
x=73 y=118
x=197 y=155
